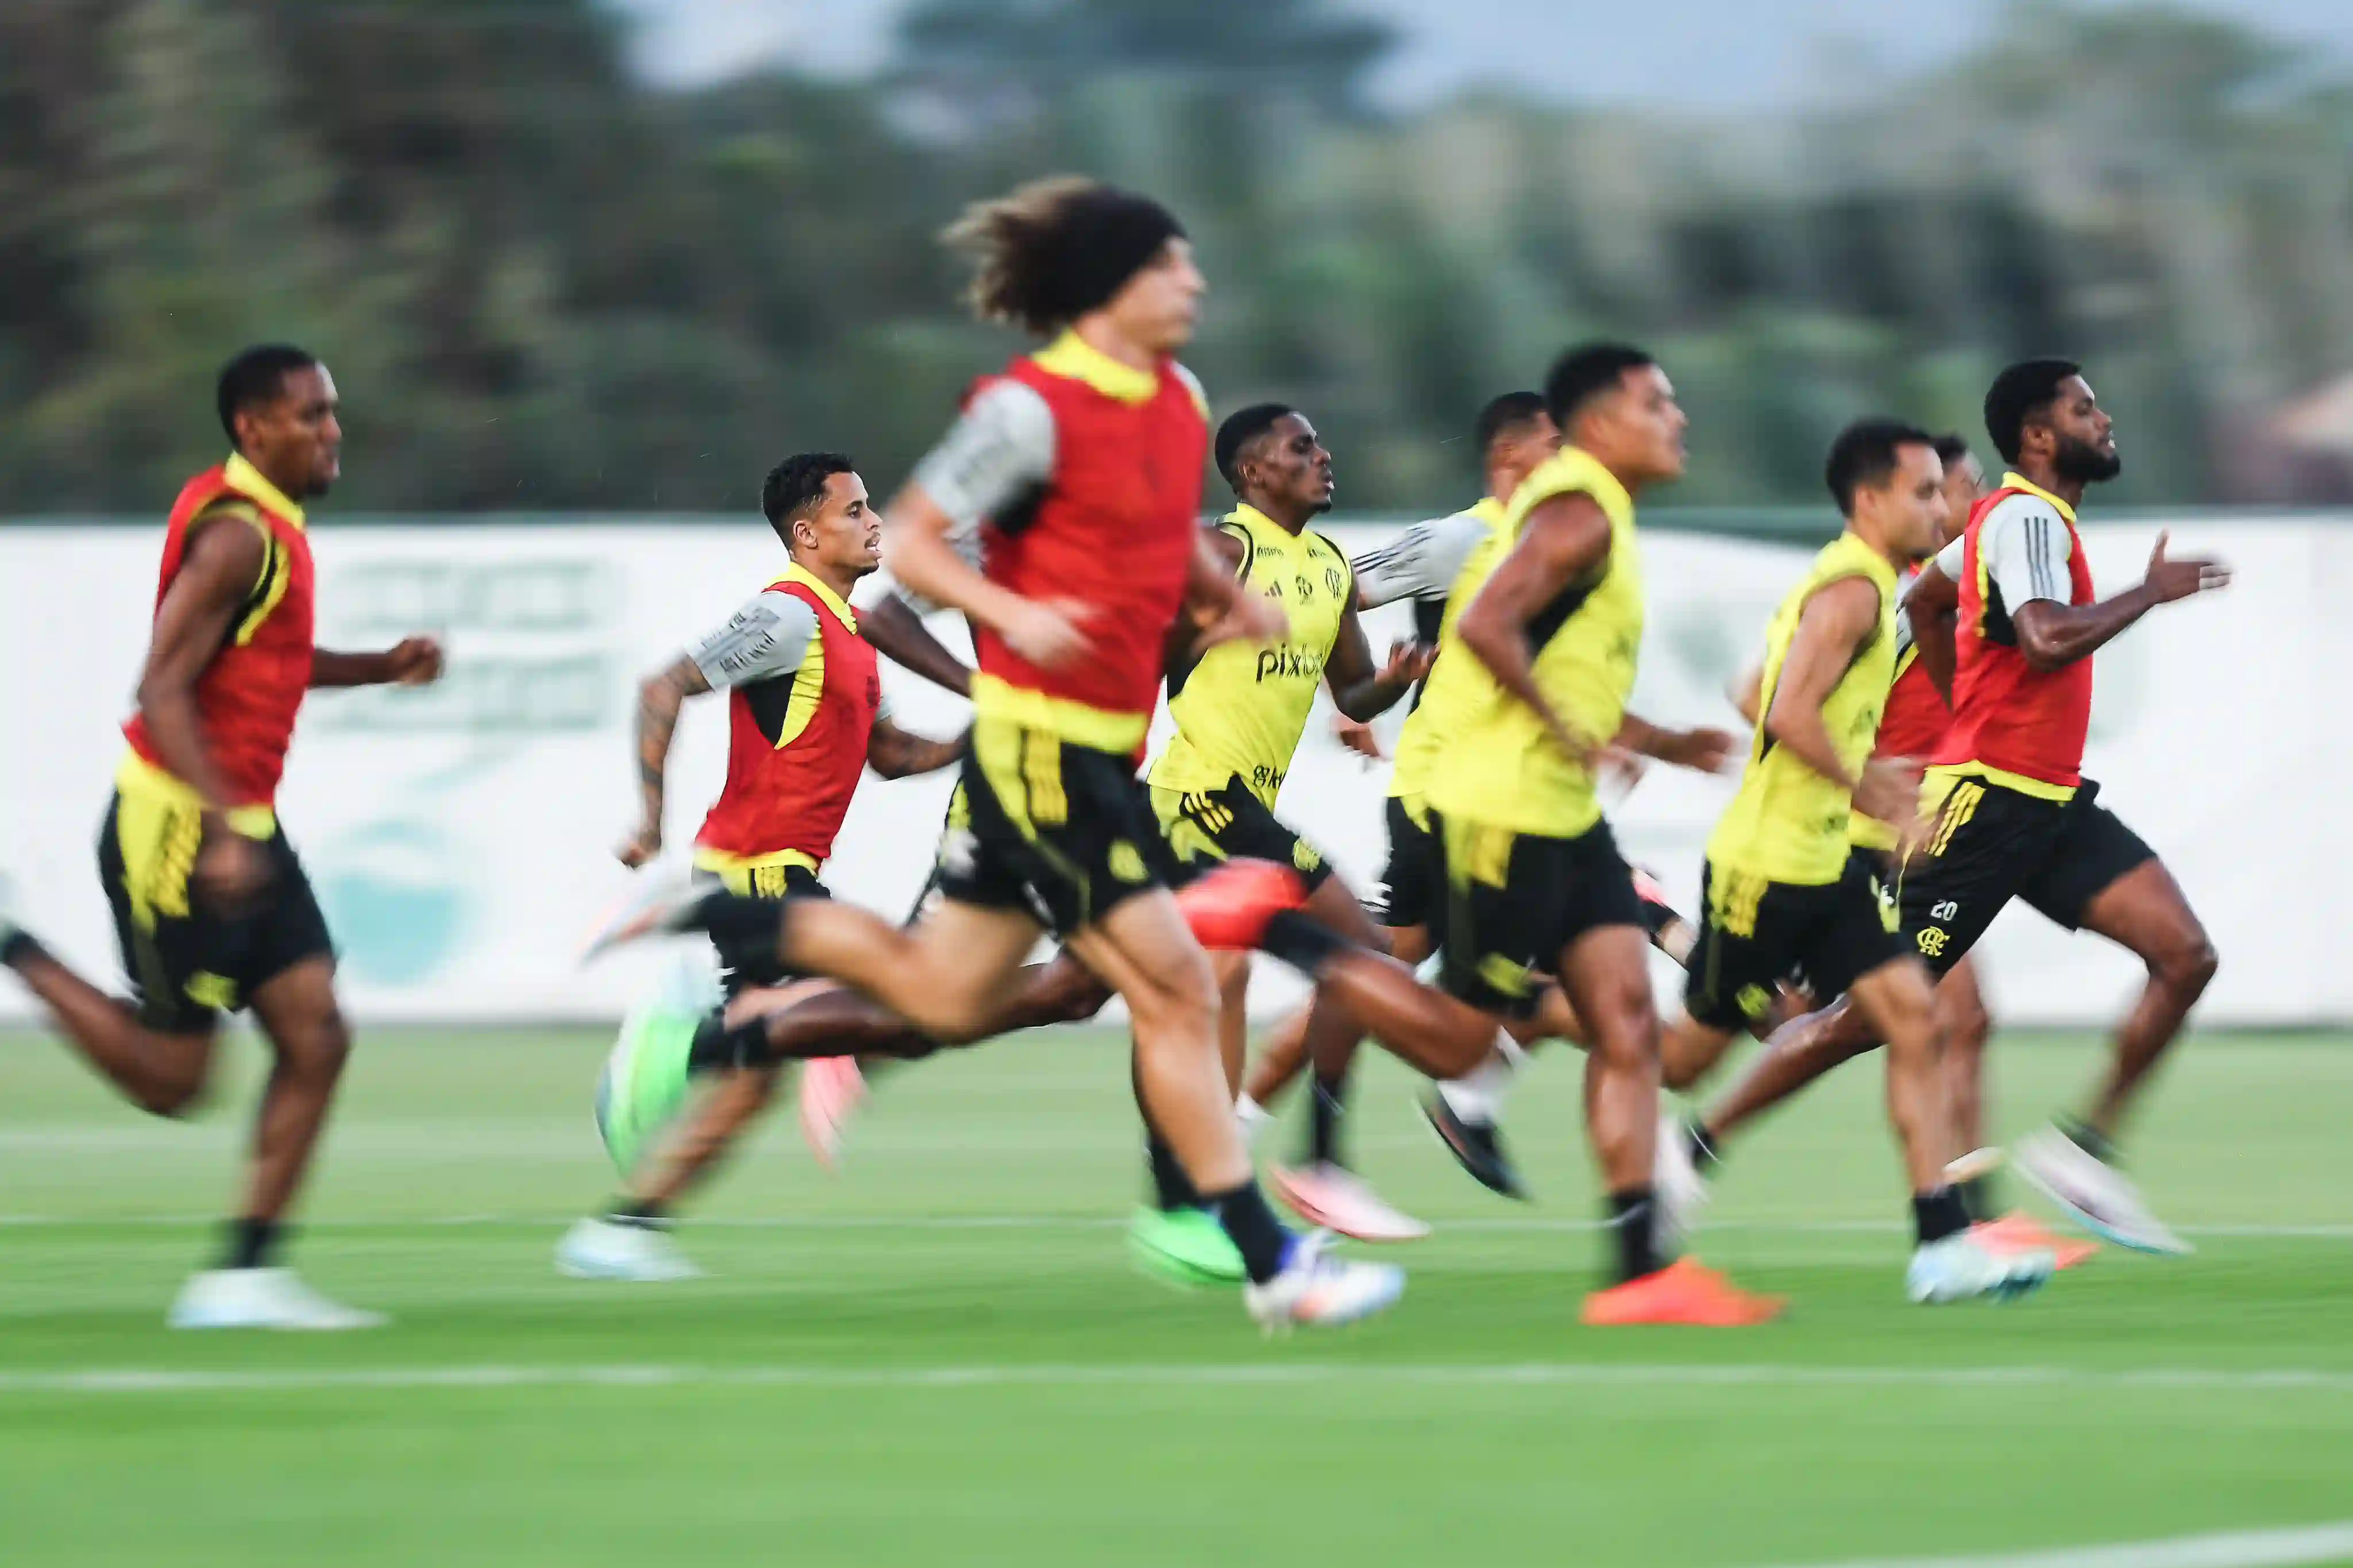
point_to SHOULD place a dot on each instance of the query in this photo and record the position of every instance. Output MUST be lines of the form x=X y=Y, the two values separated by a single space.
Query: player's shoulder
x=1192 y=385
x=2013 y=507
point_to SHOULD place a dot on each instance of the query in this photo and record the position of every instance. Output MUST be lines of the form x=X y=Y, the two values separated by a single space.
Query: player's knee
x=176 y=1092
x=318 y=1048
x=1072 y=996
x=2186 y=962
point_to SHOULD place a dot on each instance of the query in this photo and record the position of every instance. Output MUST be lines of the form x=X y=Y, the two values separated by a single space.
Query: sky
x=1722 y=53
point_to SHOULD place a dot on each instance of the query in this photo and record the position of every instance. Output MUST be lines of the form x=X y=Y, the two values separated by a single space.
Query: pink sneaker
x=1338 y=1199
x=2017 y=1232
x=832 y=1088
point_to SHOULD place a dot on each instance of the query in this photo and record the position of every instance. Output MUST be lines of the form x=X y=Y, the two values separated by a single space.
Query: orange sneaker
x=2018 y=1231
x=1229 y=907
x=1685 y=1292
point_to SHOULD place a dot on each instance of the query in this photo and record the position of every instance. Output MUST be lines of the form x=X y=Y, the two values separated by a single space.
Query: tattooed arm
x=659 y=701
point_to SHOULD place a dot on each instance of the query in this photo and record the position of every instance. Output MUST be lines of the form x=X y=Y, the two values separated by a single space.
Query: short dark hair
x=256 y=376
x=1507 y=415
x=1584 y=373
x=1865 y=453
x=796 y=486
x=1239 y=430
x=1951 y=447
x=2018 y=395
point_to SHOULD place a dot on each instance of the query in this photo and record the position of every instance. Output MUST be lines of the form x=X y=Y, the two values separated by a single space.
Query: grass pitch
x=941 y=1356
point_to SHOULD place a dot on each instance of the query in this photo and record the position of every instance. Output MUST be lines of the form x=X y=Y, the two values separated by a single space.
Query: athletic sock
x=1634 y=1217
x=1704 y=1155
x=1257 y=1235
x=642 y=1213
x=252 y=1243
x=1298 y=940
x=1326 y=1106
x=1938 y=1214
x=719 y=1048
x=2087 y=1138
x=1978 y=1198
x=1171 y=1188
x=1478 y=1095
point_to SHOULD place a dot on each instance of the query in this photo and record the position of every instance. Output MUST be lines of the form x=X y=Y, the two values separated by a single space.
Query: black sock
x=1977 y=1197
x=2089 y=1139
x=641 y=1211
x=717 y=1047
x=1938 y=1214
x=1634 y=1217
x=252 y=1243
x=1326 y=1106
x=18 y=946
x=1299 y=940
x=1704 y=1155
x=1171 y=1188
x=1257 y=1235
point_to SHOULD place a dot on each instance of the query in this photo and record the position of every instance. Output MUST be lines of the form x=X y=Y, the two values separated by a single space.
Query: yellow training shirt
x=1423 y=740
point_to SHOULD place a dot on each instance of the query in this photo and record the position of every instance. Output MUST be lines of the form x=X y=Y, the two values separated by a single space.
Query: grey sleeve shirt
x=1422 y=562
x=2025 y=546
x=767 y=637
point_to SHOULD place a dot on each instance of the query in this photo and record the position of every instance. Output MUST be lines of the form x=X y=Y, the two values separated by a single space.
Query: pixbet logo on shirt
x=1290 y=662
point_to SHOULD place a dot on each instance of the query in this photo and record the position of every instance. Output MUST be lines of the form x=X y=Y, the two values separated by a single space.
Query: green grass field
x=941 y=1356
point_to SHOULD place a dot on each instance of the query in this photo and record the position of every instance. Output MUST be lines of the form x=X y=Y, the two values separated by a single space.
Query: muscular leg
x=1799 y=1052
x=1962 y=1016
x=297 y=1012
x=2144 y=911
x=1331 y=1033
x=1894 y=1002
x=950 y=975
x=161 y=1072
x=689 y=1153
x=1689 y=1050
x=1283 y=1053
x=1606 y=975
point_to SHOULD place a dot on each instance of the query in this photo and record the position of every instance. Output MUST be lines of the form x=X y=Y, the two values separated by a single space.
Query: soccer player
x=806 y=718
x=1547 y=646
x=2007 y=620
x=1085 y=461
x=210 y=902
x=1786 y=890
x=1239 y=711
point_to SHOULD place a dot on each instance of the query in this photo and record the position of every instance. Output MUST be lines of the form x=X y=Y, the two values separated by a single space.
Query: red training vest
x=251 y=691
x=2008 y=715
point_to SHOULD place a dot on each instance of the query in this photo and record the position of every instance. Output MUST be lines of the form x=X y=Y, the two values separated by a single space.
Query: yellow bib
x=1499 y=768
x=1789 y=824
x=1239 y=712
x=1423 y=740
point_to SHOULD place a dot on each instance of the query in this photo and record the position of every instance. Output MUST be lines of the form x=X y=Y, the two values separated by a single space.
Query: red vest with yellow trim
x=2007 y=714
x=1914 y=721
x=1113 y=528
x=251 y=691
x=796 y=746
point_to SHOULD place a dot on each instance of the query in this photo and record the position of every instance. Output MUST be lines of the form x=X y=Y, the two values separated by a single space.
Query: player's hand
x=1249 y=618
x=413 y=661
x=1703 y=751
x=1621 y=767
x=1889 y=792
x=1357 y=738
x=1408 y=661
x=1049 y=632
x=641 y=847
x=2170 y=580
x=231 y=869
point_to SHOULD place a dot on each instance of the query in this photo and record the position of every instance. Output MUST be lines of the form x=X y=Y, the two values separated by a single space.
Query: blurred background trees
x=544 y=285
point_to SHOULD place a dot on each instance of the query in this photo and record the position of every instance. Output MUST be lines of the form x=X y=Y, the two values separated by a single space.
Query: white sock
x=1478 y=1095
x=1255 y=1118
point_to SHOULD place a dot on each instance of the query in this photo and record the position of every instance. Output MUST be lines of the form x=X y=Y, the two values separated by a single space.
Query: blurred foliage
x=544 y=285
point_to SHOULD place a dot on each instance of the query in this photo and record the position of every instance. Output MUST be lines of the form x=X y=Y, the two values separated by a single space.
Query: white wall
x=459 y=837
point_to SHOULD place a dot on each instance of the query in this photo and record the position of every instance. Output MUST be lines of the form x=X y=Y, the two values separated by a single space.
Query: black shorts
x=1757 y=933
x=1993 y=844
x=1207 y=828
x=1514 y=902
x=748 y=961
x=1413 y=883
x=1061 y=831
x=189 y=964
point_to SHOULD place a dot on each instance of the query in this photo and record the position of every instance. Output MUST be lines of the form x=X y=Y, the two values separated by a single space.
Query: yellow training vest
x=1423 y=740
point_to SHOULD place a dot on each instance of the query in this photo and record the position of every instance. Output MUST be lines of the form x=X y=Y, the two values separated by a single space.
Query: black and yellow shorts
x=189 y=964
x=1207 y=828
x=1413 y=883
x=748 y=961
x=1993 y=844
x=1515 y=902
x=1757 y=932
x=1061 y=831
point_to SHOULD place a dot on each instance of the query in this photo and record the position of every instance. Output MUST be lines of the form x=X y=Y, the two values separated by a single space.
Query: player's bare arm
x=412 y=661
x=1934 y=605
x=1565 y=540
x=1705 y=751
x=2053 y=635
x=898 y=634
x=1835 y=625
x=897 y=753
x=224 y=562
x=1046 y=633
x=1218 y=602
x=659 y=697
x=1360 y=690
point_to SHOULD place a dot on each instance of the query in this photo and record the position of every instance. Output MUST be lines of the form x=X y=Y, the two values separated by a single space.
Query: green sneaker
x=645 y=1078
x=1184 y=1247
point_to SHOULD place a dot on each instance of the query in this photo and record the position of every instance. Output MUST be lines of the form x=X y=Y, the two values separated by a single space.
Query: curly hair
x=1053 y=249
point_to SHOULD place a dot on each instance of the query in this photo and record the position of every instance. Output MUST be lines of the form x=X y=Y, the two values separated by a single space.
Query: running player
x=1545 y=651
x=1786 y=891
x=2014 y=816
x=1085 y=459
x=210 y=902
x=1239 y=711
x=806 y=718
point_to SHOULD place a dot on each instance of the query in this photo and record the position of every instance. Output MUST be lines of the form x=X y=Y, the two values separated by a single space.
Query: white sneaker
x=2099 y=1197
x=658 y=903
x=1322 y=1290
x=1962 y=1267
x=1338 y=1199
x=262 y=1299
x=1682 y=1192
x=600 y=1248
